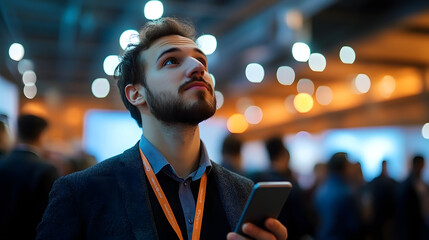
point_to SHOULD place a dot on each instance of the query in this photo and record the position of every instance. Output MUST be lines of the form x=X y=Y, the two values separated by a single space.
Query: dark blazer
x=110 y=201
x=25 y=182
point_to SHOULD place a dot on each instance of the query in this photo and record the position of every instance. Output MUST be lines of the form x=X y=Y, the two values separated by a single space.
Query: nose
x=194 y=67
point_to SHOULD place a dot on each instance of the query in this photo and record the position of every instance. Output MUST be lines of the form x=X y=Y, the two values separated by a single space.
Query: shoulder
x=231 y=179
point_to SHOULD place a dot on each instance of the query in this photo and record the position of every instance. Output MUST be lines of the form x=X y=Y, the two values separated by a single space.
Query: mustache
x=183 y=86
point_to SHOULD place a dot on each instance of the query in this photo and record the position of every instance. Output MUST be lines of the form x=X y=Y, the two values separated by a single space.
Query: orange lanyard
x=162 y=199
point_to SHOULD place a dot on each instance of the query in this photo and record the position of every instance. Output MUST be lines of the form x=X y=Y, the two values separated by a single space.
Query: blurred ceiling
x=68 y=41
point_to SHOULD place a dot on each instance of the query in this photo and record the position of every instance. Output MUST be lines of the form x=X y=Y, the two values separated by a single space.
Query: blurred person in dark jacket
x=25 y=181
x=335 y=203
x=293 y=214
x=412 y=204
x=231 y=153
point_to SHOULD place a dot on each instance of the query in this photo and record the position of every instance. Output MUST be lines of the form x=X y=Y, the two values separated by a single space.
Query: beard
x=170 y=109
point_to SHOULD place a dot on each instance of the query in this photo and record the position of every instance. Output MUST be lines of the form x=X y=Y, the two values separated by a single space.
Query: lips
x=196 y=84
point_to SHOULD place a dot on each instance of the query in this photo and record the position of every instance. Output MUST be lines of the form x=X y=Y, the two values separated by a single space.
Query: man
x=335 y=203
x=292 y=213
x=164 y=83
x=25 y=181
x=231 y=153
x=413 y=203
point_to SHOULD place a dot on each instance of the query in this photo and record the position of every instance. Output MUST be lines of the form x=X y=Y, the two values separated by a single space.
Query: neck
x=178 y=143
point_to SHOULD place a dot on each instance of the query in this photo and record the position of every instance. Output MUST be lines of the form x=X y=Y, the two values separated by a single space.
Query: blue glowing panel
x=108 y=133
x=212 y=133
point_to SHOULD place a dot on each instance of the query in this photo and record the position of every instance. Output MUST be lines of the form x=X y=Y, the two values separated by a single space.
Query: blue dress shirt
x=159 y=163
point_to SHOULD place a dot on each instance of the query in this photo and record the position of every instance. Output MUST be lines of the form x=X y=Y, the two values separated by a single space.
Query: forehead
x=167 y=42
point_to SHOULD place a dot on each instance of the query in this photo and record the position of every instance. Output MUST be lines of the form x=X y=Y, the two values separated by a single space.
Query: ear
x=133 y=94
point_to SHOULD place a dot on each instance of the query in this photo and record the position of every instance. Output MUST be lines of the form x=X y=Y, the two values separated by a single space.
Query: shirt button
x=185 y=183
x=190 y=220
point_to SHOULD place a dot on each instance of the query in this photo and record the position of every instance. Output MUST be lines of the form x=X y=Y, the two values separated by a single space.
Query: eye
x=170 y=61
x=202 y=61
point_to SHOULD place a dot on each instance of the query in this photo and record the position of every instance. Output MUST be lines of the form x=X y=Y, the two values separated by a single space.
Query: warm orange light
x=73 y=116
x=303 y=102
x=35 y=109
x=237 y=123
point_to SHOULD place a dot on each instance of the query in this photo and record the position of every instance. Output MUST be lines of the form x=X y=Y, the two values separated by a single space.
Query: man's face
x=179 y=88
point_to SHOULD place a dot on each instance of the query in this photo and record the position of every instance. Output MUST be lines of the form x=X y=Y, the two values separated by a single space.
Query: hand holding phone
x=265 y=201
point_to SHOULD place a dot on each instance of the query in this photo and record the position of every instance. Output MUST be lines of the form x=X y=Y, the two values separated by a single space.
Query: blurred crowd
x=339 y=205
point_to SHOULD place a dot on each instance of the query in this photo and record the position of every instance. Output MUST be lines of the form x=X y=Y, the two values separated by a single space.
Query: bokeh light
x=324 y=95
x=362 y=83
x=213 y=79
x=317 y=62
x=25 y=65
x=301 y=51
x=29 y=77
x=425 y=131
x=30 y=91
x=387 y=86
x=253 y=114
x=16 y=51
x=110 y=63
x=100 y=87
x=243 y=103
x=285 y=75
x=237 y=123
x=129 y=36
x=207 y=43
x=305 y=85
x=303 y=102
x=255 y=72
x=219 y=99
x=347 y=55
x=153 y=10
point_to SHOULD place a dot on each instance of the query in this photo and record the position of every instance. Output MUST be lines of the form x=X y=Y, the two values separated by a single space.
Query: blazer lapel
x=132 y=184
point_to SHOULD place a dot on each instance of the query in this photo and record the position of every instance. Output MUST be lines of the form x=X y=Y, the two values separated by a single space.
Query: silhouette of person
x=411 y=203
x=335 y=203
x=25 y=181
x=231 y=153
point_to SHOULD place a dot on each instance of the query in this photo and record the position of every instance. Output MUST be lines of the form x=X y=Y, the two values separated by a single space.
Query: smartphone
x=265 y=201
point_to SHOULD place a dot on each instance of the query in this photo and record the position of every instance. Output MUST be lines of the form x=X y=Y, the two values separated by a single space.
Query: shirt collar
x=158 y=161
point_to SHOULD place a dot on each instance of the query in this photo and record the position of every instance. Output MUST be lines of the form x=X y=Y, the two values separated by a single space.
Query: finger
x=277 y=228
x=257 y=233
x=234 y=236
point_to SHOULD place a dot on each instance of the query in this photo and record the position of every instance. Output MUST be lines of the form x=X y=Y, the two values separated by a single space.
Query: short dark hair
x=275 y=148
x=338 y=162
x=129 y=70
x=30 y=127
x=231 y=145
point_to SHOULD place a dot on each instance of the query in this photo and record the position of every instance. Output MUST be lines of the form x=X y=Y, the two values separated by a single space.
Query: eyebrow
x=175 y=49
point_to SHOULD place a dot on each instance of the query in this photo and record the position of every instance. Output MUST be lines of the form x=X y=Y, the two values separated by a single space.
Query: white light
x=16 y=51
x=347 y=55
x=362 y=83
x=301 y=52
x=110 y=63
x=317 y=62
x=213 y=79
x=129 y=37
x=219 y=99
x=25 y=65
x=100 y=87
x=255 y=72
x=285 y=75
x=153 y=10
x=207 y=44
x=324 y=95
x=253 y=114
x=29 y=78
x=425 y=131
x=305 y=86
x=30 y=91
